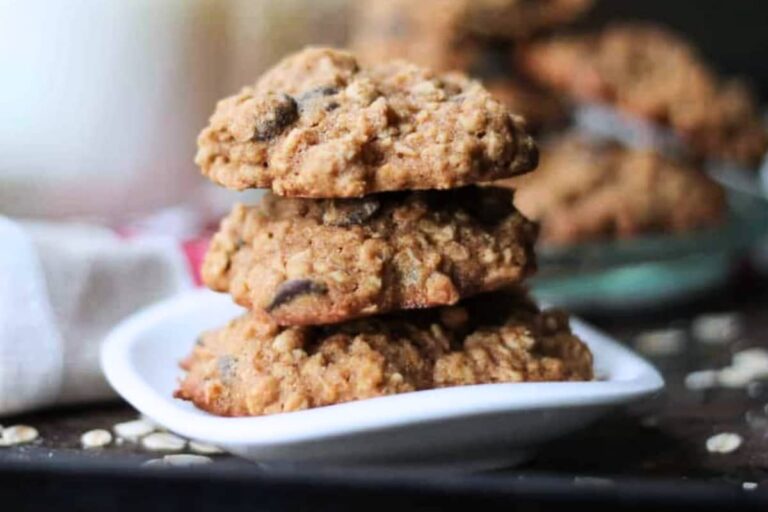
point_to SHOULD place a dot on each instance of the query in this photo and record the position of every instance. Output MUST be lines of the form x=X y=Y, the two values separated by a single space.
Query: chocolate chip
x=332 y=106
x=282 y=112
x=294 y=288
x=350 y=212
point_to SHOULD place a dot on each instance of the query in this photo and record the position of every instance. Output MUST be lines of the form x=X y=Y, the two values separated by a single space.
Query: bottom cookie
x=251 y=367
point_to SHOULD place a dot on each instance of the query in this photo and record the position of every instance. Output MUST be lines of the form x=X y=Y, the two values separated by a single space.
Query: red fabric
x=194 y=250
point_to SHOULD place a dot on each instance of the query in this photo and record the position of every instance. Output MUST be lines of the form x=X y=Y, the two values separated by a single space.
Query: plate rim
x=419 y=407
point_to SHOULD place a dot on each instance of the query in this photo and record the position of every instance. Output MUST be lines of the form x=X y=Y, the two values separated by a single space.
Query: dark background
x=733 y=35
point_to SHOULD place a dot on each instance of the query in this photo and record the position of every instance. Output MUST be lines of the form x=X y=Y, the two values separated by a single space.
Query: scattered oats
x=133 y=430
x=97 y=438
x=749 y=486
x=18 y=434
x=717 y=328
x=702 y=379
x=735 y=377
x=663 y=342
x=204 y=448
x=186 y=459
x=163 y=442
x=726 y=442
x=755 y=359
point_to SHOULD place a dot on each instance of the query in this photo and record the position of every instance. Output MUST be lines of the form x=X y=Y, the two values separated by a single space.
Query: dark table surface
x=658 y=442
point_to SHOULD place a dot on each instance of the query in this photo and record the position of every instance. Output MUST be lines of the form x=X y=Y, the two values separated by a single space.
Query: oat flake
x=726 y=442
x=163 y=442
x=97 y=438
x=18 y=434
x=204 y=448
x=133 y=430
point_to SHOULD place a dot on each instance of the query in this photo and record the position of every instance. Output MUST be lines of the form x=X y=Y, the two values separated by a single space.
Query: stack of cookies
x=375 y=265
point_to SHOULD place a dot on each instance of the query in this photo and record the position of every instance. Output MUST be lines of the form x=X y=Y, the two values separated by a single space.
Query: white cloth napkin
x=62 y=288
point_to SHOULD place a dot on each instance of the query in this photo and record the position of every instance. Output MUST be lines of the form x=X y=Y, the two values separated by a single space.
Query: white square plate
x=470 y=427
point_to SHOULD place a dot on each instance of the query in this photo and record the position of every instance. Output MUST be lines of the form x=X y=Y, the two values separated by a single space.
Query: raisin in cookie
x=318 y=125
x=252 y=367
x=653 y=74
x=317 y=261
x=585 y=190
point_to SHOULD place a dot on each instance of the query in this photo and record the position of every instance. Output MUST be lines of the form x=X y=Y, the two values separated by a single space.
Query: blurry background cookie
x=585 y=190
x=650 y=72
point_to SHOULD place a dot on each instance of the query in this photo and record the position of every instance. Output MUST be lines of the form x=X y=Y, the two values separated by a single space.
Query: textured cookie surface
x=318 y=125
x=585 y=191
x=251 y=367
x=652 y=73
x=318 y=261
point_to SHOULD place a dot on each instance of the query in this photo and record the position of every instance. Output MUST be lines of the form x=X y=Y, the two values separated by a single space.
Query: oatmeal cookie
x=585 y=190
x=252 y=367
x=438 y=33
x=318 y=125
x=319 y=261
x=654 y=74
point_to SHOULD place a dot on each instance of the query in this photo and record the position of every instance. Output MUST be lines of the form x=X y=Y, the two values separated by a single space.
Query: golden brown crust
x=311 y=261
x=318 y=125
x=251 y=367
x=654 y=74
x=586 y=190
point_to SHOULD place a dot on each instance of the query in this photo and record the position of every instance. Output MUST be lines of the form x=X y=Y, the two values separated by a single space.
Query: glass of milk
x=101 y=101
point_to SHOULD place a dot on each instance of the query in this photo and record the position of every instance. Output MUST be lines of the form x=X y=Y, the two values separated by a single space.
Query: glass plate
x=652 y=269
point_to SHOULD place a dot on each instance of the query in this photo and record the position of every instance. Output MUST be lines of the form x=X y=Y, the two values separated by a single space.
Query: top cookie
x=318 y=125
x=654 y=74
